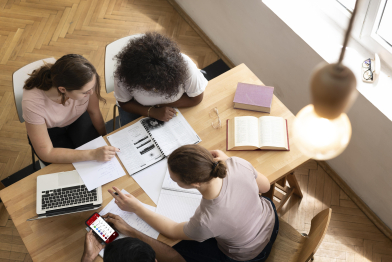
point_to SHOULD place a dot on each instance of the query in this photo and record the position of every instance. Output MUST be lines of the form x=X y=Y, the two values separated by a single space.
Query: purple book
x=253 y=97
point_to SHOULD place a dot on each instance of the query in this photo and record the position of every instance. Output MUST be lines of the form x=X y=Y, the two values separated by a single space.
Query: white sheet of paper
x=151 y=179
x=94 y=173
x=130 y=218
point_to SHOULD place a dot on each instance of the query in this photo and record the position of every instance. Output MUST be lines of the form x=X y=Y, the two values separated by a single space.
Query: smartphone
x=101 y=228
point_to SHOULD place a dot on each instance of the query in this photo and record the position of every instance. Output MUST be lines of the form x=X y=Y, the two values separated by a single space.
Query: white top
x=193 y=86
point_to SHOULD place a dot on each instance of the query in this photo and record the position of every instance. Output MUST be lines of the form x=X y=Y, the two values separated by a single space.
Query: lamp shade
x=333 y=89
x=322 y=130
x=321 y=138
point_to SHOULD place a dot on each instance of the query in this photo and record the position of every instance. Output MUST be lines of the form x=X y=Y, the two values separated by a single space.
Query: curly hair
x=152 y=62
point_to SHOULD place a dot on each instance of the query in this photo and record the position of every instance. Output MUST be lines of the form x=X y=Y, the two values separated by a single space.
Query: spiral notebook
x=150 y=140
x=177 y=203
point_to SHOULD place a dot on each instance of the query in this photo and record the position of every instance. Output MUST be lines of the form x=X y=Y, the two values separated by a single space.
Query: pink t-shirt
x=38 y=109
x=239 y=220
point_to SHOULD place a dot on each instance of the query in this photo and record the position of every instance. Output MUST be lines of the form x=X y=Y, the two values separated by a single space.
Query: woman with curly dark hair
x=153 y=76
x=61 y=110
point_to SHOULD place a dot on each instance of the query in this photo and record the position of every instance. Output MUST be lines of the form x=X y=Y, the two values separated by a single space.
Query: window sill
x=325 y=37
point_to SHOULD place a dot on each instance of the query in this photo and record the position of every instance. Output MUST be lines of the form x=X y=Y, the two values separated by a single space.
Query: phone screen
x=101 y=228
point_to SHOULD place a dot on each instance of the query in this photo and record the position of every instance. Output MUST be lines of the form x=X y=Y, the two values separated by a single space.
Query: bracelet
x=148 y=112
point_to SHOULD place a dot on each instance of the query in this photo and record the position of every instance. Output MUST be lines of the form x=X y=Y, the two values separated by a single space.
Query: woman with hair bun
x=55 y=103
x=232 y=223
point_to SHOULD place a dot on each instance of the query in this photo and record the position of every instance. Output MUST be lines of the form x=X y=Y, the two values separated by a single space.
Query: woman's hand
x=163 y=113
x=105 y=153
x=218 y=155
x=119 y=224
x=126 y=202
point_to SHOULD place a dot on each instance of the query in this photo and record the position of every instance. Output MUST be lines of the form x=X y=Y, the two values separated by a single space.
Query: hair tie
x=214 y=165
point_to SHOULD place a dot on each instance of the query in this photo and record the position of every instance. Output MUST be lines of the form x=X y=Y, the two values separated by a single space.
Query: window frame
x=376 y=23
x=365 y=26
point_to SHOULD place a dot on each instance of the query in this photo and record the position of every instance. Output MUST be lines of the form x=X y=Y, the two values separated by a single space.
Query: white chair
x=111 y=51
x=18 y=80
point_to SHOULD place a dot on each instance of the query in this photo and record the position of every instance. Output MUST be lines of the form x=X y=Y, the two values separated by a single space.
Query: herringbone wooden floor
x=351 y=236
x=32 y=29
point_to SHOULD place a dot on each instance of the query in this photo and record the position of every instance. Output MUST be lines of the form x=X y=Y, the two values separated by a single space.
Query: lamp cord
x=346 y=37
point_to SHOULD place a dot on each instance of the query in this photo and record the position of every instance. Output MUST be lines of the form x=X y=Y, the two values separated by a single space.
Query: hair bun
x=218 y=169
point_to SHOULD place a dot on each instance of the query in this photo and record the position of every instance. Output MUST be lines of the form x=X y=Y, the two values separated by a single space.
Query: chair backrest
x=111 y=51
x=18 y=80
x=318 y=229
x=291 y=246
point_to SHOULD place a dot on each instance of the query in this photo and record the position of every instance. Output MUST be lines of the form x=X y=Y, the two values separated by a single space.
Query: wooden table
x=61 y=238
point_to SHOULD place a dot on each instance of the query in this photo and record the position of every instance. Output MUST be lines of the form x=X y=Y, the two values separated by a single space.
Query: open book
x=150 y=140
x=177 y=203
x=252 y=133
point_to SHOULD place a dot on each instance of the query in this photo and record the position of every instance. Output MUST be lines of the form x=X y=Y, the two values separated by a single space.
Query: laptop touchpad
x=69 y=179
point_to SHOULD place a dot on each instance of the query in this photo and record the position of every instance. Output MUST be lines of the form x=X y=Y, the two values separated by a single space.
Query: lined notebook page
x=169 y=184
x=177 y=206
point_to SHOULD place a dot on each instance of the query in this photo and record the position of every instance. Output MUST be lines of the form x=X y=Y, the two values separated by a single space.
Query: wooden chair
x=18 y=79
x=111 y=51
x=291 y=246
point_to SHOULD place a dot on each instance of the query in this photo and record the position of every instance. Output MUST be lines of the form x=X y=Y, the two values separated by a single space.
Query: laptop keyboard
x=68 y=196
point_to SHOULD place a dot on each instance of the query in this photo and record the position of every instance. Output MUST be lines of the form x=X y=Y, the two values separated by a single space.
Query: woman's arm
x=160 y=223
x=96 y=115
x=43 y=146
x=163 y=113
x=186 y=101
x=163 y=252
x=263 y=183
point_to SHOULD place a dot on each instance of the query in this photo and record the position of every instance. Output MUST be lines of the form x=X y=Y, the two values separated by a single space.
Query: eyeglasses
x=214 y=114
x=368 y=73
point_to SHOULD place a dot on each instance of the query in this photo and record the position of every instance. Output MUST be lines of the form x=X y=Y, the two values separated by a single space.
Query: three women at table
x=232 y=223
x=61 y=111
x=152 y=76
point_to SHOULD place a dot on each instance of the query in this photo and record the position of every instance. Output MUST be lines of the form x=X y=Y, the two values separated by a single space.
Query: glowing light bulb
x=321 y=138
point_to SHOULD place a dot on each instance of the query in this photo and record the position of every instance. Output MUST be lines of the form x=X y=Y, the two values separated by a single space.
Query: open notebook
x=150 y=140
x=178 y=204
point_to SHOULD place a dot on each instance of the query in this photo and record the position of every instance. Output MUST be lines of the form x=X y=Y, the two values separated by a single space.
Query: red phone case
x=91 y=220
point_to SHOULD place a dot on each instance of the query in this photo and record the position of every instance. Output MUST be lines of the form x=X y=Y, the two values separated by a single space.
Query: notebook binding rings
x=152 y=138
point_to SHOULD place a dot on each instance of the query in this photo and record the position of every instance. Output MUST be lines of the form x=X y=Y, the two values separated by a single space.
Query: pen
x=116 y=193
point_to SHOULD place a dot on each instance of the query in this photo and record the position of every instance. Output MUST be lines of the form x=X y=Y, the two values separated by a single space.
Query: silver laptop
x=64 y=193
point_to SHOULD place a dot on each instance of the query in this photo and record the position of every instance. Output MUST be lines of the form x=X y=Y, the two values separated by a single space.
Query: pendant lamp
x=322 y=130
